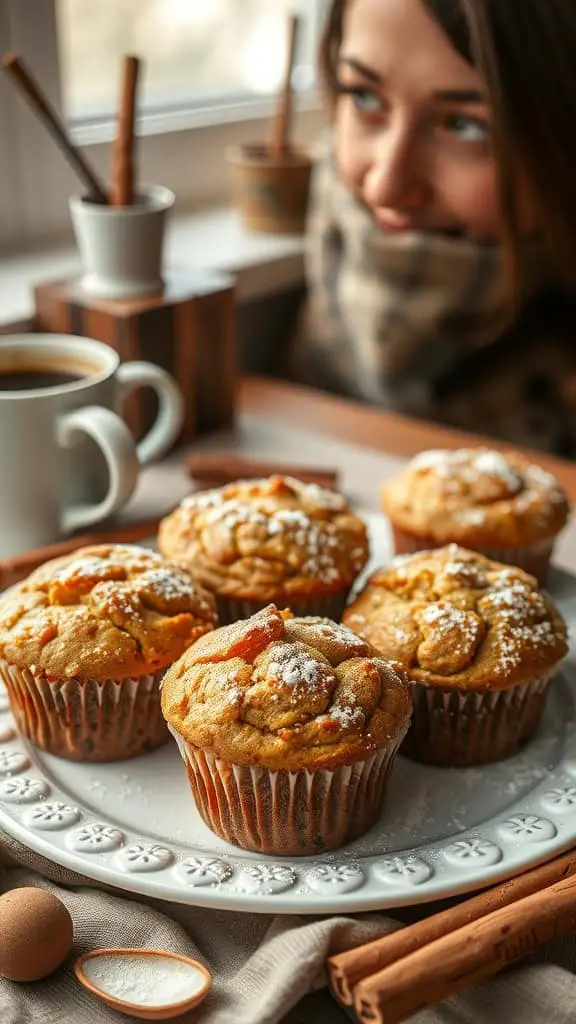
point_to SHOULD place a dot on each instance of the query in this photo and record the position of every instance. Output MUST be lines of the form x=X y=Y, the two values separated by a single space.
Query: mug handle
x=164 y=432
x=118 y=448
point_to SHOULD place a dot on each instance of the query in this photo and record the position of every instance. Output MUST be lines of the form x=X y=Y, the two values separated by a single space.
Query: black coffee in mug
x=32 y=379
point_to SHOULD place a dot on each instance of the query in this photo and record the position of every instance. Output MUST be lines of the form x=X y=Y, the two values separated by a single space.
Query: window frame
x=183 y=148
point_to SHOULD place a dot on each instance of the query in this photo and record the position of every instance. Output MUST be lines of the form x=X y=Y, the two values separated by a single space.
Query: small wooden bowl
x=271 y=192
x=141 y=1010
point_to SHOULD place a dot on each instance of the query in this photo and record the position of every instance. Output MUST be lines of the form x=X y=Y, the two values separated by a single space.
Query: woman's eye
x=365 y=101
x=469 y=129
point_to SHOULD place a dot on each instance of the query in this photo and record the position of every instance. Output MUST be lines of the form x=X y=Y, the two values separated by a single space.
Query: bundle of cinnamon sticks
x=392 y=978
x=123 y=189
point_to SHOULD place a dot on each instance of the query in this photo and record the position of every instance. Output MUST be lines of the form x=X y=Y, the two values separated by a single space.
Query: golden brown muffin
x=84 y=641
x=479 y=642
x=276 y=539
x=501 y=505
x=288 y=728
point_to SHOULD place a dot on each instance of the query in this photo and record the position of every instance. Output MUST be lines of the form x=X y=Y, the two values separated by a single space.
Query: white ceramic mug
x=121 y=246
x=67 y=459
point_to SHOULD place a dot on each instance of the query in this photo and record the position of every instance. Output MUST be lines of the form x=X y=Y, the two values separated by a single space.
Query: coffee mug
x=67 y=459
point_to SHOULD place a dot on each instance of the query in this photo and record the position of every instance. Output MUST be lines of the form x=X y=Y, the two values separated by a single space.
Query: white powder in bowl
x=144 y=980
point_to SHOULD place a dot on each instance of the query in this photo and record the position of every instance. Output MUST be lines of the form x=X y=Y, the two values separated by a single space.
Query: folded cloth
x=262 y=965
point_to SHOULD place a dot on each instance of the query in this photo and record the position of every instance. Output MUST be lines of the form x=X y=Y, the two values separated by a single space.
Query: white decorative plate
x=444 y=831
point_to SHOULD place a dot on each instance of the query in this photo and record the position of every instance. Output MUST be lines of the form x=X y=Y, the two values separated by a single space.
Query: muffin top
x=267 y=539
x=477 y=498
x=285 y=693
x=104 y=612
x=451 y=617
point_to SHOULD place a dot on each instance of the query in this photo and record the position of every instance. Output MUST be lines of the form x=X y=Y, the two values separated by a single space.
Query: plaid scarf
x=387 y=315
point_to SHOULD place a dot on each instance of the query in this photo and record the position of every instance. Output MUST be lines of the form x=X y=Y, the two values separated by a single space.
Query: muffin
x=288 y=728
x=501 y=505
x=274 y=540
x=84 y=642
x=479 y=642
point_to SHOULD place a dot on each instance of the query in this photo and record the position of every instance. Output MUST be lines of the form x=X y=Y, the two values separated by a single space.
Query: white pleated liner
x=90 y=720
x=282 y=812
x=329 y=606
x=461 y=728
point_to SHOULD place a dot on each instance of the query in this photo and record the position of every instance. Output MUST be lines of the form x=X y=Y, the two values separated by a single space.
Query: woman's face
x=413 y=131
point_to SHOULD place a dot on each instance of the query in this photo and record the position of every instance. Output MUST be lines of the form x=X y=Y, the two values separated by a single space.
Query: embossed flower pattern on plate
x=145 y=857
x=203 y=871
x=261 y=879
x=403 y=870
x=561 y=799
x=527 y=828
x=469 y=853
x=95 y=837
x=23 y=790
x=328 y=879
x=12 y=762
x=52 y=816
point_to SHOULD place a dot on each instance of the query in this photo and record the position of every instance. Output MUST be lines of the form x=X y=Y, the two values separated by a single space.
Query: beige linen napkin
x=262 y=965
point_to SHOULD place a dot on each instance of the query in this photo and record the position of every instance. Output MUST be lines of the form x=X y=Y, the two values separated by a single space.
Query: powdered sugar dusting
x=445 y=618
x=346 y=717
x=317 y=540
x=533 y=489
x=168 y=584
x=468 y=464
x=339 y=632
x=296 y=667
x=83 y=568
x=499 y=607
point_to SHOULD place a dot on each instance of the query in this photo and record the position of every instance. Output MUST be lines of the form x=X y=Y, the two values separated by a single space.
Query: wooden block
x=189 y=329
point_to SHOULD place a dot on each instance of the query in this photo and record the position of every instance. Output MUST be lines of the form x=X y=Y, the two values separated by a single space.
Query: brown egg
x=36 y=934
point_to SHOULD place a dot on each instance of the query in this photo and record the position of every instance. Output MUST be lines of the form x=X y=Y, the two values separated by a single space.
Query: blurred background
x=197 y=52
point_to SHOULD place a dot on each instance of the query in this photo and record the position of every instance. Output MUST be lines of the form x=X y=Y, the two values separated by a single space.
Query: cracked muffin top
x=267 y=540
x=452 y=617
x=104 y=612
x=476 y=497
x=285 y=693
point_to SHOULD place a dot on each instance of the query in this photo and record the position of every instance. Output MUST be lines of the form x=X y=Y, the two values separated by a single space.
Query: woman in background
x=442 y=227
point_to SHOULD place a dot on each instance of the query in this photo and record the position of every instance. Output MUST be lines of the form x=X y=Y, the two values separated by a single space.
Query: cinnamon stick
x=280 y=144
x=122 y=193
x=467 y=955
x=215 y=469
x=36 y=99
x=16 y=568
x=346 y=970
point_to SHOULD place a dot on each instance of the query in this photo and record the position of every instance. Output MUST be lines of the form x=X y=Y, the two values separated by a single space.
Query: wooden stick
x=122 y=193
x=467 y=955
x=346 y=970
x=14 y=569
x=32 y=93
x=215 y=469
x=282 y=123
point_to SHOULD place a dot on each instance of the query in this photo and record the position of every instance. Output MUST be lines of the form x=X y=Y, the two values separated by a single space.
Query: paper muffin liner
x=460 y=728
x=91 y=720
x=534 y=558
x=287 y=813
x=330 y=606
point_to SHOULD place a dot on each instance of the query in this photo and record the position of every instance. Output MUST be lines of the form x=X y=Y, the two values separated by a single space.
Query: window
x=194 y=51
x=210 y=72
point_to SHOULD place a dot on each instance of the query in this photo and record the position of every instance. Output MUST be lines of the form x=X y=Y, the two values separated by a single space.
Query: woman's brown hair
x=526 y=52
